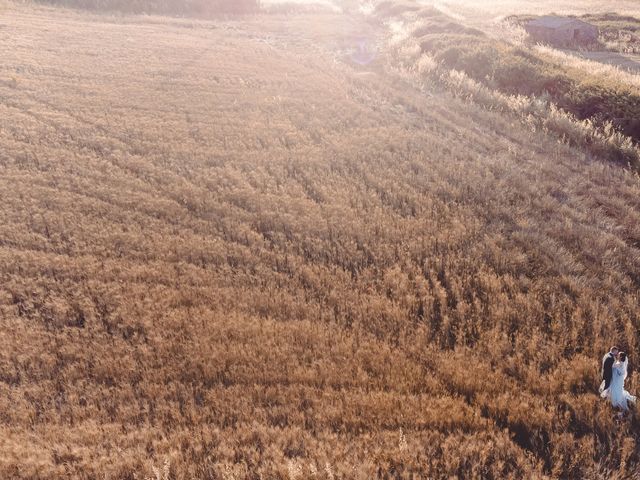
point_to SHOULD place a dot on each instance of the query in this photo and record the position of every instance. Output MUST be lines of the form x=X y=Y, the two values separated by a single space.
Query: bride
x=616 y=393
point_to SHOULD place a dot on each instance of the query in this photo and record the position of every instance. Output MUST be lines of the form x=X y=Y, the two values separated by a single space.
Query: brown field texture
x=228 y=252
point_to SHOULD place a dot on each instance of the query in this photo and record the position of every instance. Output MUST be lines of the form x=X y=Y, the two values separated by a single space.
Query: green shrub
x=475 y=60
x=443 y=26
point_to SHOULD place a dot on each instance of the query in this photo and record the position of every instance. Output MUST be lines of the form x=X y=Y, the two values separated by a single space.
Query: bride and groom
x=614 y=373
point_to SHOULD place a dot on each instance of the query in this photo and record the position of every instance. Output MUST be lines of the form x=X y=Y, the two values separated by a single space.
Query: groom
x=607 y=368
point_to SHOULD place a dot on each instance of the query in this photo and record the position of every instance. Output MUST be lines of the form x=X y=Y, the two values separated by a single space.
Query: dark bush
x=435 y=44
x=477 y=61
x=439 y=26
x=516 y=75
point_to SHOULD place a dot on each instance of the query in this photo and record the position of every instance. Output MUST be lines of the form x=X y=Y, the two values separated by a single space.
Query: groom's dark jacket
x=607 y=369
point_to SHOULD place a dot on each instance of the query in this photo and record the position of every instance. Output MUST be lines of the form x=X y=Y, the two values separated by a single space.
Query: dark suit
x=607 y=369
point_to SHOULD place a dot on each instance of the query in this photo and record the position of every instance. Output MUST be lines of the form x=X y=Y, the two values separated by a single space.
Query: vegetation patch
x=517 y=70
x=618 y=33
x=393 y=8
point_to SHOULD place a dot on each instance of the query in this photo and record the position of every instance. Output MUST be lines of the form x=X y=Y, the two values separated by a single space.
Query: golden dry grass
x=226 y=248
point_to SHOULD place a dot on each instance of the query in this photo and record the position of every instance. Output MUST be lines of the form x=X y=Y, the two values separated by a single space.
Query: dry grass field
x=229 y=252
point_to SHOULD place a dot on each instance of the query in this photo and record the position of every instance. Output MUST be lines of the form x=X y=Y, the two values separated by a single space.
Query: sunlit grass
x=228 y=252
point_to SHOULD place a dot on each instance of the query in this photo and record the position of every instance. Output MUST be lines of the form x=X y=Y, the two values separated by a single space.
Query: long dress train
x=616 y=393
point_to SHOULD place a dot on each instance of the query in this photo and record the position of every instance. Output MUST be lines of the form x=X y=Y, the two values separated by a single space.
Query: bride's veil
x=624 y=368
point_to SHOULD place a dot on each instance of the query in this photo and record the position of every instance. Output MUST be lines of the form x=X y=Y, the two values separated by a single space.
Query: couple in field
x=614 y=373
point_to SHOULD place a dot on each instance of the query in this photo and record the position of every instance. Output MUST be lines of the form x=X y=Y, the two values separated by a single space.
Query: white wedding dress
x=616 y=393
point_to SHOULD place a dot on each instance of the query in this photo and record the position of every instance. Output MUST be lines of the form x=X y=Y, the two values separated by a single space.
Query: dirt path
x=629 y=62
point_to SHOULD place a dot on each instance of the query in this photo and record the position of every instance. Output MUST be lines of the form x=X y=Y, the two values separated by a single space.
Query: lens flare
x=363 y=51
